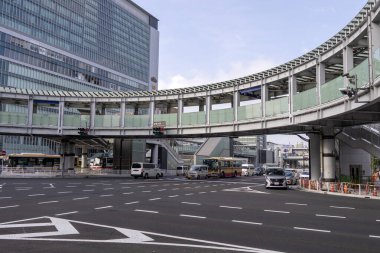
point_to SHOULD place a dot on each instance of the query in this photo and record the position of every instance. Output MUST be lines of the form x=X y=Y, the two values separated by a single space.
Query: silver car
x=275 y=178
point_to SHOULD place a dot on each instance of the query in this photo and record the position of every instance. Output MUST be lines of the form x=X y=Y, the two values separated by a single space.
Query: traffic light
x=83 y=131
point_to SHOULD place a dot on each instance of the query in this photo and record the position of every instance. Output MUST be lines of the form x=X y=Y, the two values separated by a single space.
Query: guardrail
x=364 y=190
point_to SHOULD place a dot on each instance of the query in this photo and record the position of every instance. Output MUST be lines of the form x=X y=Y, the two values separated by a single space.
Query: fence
x=365 y=190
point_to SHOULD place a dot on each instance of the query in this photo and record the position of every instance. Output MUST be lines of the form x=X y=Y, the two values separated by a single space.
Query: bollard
x=374 y=193
x=332 y=187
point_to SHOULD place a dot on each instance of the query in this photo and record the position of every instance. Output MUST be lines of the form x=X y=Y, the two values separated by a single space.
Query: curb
x=339 y=194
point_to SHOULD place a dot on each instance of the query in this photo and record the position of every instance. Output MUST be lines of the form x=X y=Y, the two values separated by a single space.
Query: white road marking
x=141 y=186
x=102 y=207
x=378 y=220
x=74 y=183
x=191 y=203
x=213 y=191
x=38 y=194
x=330 y=216
x=201 y=192
x=61 y=214
x=174 y=189
x=5 y=197
x=64 y=192
x=127 y=193
x=161 y=190
x=312 y=229
x=146 y=191
x=188 y=194
x=23 y=188
x=4 y=207
x=80 y=198
x=90 y=185
x=231 y=207
x=343 y=207
x=88 y=190
x=107 y=195
x=131 y=203
x=71 y=186
x=125 y=187
x=154 y=199
x=192 y=216
x=375 y=236
x=145 y=211
x=107 y=189
x=296 y=204
x=48 y=202
x=173 y=196
x=248 y=222
x=274 y=211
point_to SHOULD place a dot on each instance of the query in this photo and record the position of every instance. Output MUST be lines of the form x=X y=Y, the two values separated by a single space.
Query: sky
x=208 y=41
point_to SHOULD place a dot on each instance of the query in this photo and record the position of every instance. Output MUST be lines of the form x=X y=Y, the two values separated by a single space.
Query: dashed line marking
x=232 y=207
x=274 y=211
x=192 y=216
x=145 y=211
x=35 y=195
x=125 y=187
x=88 y=190
x=131 y=203
x=189 y=194
x=107 y=189
x=213 y=191
x=161 y=190
x=4 y=207
x=127 y=193
x=48 y=202
x=191 y=203
x=312 y=229
x=71 y=186
x=296 y=204
x=61 y=214
x=343 y=207
x=330 y=216
x=201 y=192
x=106 y=195
x=154 y=199
x=64 y=192
x=102 y=207
x=90 y=185
x=80 y=198
x=146 y=191
x=5 y=197
x=374 y=236
x=173 y=196
x=247 y=222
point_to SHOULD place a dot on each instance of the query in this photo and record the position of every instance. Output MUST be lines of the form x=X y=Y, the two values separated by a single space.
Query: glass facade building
x=77 y=45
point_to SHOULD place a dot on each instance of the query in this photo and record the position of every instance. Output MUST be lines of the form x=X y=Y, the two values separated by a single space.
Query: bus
x=224 y=166
x=25 y=160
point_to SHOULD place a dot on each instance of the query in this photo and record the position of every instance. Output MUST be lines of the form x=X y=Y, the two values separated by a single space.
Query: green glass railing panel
x=277 y=106
x=249 y=111
x=222 y=116
x=13 y=118
x=107 y=121
x=76 y=120
x=45 y=119
x=361 y=72
x=193 y=118
x=305 y=99
x=136 y=121
x=330 y=90
x=376 y=63
x=170 y=119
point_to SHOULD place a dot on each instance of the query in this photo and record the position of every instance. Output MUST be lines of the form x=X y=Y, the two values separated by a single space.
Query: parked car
x=275 y=178
x=290 y=178
x=182 y=170
x=145 y=170
x=305 y=175
x=197 y=172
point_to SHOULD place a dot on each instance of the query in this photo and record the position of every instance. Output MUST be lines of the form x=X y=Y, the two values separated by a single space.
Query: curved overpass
x=302 y=95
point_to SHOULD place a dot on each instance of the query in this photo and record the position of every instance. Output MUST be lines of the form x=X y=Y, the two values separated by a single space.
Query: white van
x=145 y=170
x=247 y=169
x=197 y=172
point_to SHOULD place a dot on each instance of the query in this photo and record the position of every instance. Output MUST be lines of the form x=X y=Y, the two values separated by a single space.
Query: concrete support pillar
x=61 y=113
x=348 y=62
x=155 y=154
x=180 y=112
x=315 y=156
x=208 y=109
x=67 y=156
x=374 y=44
x=122 y=114
x=292 y=83
x=151 y=113
x=92 y=114
x=328 y=155
x=84 y=157
x=236 y=104
x=264 y=98
x=30 y=111
x=321 y=79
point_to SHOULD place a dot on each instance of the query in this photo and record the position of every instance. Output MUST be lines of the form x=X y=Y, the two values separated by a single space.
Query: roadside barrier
x=368 y=189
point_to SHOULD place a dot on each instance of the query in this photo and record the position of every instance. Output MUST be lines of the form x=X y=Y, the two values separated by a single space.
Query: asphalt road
x=179 y=215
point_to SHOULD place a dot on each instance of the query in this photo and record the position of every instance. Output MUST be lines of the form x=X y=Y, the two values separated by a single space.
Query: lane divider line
x=4 y=207
x=154 y=199
x=192 y=216
x=231 y=207
x=274 y=211
x=145 y=211
x=296 y=204
x=343 y=207
x=191 y=203
x=131 y=203
x=80 y=198
x=61 y=214
x=330 y=216
x=48 y=202
x=247 y=222
x=312 y=229
x=102 y=207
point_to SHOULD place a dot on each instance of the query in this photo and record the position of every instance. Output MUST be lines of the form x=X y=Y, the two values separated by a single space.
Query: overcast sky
x=207 y=41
